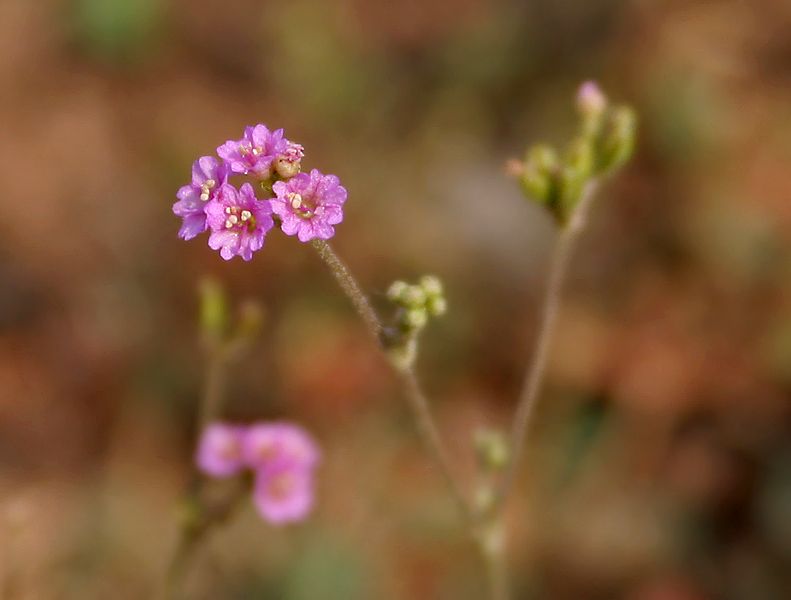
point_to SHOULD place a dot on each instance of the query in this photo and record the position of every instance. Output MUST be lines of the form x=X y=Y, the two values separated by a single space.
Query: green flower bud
x=431 y=285
x=618 y=144
x=571 y=187
x=213 y=310
x=396 y=291
x=437 y=306
x=592 y=105
x=414 y=296
x=538 y=177
x=492 y=449
x=580 y=157
x=416 y=318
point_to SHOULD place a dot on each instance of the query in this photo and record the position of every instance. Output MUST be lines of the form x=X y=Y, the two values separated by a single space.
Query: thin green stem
x=431 y=436
x=528 y=398
x=350 y=287
x=416 y=398
x=491 y=544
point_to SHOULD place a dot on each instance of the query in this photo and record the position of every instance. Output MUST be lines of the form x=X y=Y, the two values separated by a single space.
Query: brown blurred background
x=660 y=466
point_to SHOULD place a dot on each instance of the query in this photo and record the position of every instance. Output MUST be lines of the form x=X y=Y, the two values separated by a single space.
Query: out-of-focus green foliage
x=117 y=30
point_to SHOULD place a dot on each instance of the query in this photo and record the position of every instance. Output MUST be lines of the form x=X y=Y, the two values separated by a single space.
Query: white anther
x=204 y=196
x=296 y=201
x=233 y=220
x=228 y=210
x=256 y=151
x=246 y=214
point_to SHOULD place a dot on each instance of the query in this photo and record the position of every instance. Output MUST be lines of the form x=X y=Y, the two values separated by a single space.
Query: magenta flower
x=280 y=443
x=220 y=450
x=283 y=493
x=238 y=221
x=309 y=205
x=255 y=152
x=208 y=176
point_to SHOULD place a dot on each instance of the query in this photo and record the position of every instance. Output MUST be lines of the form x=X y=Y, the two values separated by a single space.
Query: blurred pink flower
x=281 y=443
x=283 y=492
x=220 y=450
x=282 y=455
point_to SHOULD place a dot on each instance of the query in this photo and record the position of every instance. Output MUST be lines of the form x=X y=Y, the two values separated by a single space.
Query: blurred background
x=659 y=466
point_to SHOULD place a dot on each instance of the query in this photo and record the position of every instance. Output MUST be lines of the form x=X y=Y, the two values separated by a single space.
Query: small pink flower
x=309 y=205
x=208 y=176
x=279 y=443
x=239 y=222
x=283 y=493
x=255 y=152
x=590 y=98
x=220 y=450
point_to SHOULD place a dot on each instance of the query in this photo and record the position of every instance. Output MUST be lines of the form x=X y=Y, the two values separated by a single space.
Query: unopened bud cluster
x=219 y=329
x=604 y=143
x=491 y=447
x=416 y=303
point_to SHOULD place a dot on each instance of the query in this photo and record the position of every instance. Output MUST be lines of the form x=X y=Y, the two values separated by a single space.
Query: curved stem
x=431 y=436
x=534 y=377
x=418 y=402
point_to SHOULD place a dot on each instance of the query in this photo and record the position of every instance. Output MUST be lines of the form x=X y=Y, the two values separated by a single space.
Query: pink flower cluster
x=307 y=205
x=282 y=456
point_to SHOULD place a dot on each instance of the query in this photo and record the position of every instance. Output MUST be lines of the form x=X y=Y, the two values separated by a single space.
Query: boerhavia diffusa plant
x=278 y=459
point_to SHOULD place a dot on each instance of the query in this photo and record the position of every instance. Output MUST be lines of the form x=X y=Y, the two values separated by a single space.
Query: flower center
x=239 y=218
x=246 y=149
x=229 y=450
x=281 y=486
x=293 y=153
x=302 y=206
x=206 y=188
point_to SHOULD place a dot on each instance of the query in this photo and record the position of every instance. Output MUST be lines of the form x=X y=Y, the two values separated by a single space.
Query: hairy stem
x=350 y=287
x=418 y=402
x=528 y=397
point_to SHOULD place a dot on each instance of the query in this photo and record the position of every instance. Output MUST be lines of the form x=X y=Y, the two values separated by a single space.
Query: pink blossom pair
x=282 y=456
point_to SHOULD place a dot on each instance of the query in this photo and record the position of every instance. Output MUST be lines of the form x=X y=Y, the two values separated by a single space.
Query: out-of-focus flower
x=309 y=205
x=220 y=450
x=239 y=222
x=255 y=152
x=590 y=99
x=208 y=176
x=283 y=492
x=286 y=443
x=283 y=457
